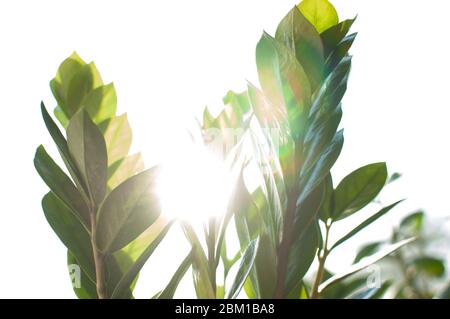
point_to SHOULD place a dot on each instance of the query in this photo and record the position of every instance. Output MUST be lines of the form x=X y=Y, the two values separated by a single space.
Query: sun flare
x=194 y=186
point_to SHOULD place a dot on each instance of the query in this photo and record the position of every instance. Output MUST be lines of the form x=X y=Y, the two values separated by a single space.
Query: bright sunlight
x=194 y=185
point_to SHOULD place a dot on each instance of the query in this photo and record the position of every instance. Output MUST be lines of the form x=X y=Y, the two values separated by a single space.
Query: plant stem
x=98 y=261
x=323 y=254
x=283 y=252
x=211 y=254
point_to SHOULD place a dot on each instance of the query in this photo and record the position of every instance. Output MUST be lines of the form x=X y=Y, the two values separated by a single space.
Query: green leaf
x=316 y=174
x=413 y=223
x=301 y=256
x=101 y=103
x=332 y=36
x=70 y=231
x=328 y=199
x=87 y=148
x=61 y=185
x=200 y=269
x=300 y=36
x=87 y=288
x=364 y=224
x=60 y=84
x=367 y=250
x=284 y=81
x=118 y=136
x=122 y=288
x=63 y=149
x=340 y=52
x=81 y=84
x=170 y=289
x=358 y=189
x=61 y=116
x=431 y=266
x=364 y=263
x=127 y=211
x=123 y=169
x=247 y=260
x=321 y=13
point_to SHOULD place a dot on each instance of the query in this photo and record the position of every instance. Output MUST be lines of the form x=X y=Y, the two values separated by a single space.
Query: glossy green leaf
x=301 y=256
x=328 y=199
x=300 y=36
x=70 y=231
x=284 y=81
x=118 y=136
x=364 y=224
x=358 y=189
x=316 y=175
x=332 y=36
x=61 y=185
x=121 y=290
x=321 y=13
x=127 y=211
x=87 y=148
x=364 y=263
x=101 y=103
x=247 y=260
x=340 y=52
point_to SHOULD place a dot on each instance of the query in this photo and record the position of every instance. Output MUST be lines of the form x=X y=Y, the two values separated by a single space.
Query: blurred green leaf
x=364 y=224
x=367 y=250
x=87 y=148
x=332 y=36
x=358 y=189
x=321 y=13
x=413 y=223
x=127 y=211
x=364 y=263
x=431 y=266
x=247 y=260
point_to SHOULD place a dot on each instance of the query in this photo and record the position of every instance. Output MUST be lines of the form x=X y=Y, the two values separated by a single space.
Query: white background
x=168 y=59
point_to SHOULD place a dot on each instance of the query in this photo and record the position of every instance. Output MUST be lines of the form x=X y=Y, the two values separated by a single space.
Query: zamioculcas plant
x=106 y=213
x=303 y=73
